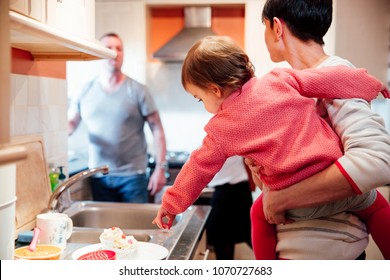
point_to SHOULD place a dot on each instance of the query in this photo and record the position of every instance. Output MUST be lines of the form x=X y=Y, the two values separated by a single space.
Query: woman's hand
x=271 y=205
x=270 y=208
x=159 y=220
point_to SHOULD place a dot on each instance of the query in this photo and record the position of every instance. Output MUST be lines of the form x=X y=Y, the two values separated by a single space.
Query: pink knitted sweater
x=271 y=121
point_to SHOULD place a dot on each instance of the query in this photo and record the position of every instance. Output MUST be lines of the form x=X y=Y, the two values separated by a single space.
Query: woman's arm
x=366 y=160
x=321 y=188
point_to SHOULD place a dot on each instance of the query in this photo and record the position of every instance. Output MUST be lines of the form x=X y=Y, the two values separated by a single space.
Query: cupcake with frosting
x=114 y=239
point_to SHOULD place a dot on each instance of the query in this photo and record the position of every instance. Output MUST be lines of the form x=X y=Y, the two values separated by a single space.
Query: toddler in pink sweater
x=268 y=119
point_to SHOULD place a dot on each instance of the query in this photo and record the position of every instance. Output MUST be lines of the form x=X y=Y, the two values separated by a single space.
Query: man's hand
x=159 y=220
x=157 y=181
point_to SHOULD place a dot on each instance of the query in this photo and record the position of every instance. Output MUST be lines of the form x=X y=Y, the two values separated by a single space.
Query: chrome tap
x=53 y=201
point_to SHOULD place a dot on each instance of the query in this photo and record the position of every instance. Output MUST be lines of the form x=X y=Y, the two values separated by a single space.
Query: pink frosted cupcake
x=114 y=239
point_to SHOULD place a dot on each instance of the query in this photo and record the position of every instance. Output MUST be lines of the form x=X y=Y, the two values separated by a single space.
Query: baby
x=269 y=120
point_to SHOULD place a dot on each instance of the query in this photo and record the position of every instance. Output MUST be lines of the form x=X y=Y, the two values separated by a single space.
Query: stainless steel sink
x=92 y=236
x=123 y=215
x=91 y=218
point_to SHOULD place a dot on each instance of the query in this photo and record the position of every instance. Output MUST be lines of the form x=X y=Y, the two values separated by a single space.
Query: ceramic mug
x=55 y=228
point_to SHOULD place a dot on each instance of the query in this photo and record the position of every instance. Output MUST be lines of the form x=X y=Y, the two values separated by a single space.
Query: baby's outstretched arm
x=333 y=82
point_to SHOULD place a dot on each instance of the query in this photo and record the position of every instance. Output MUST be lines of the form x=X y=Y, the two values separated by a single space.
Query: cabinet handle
x=205 y=254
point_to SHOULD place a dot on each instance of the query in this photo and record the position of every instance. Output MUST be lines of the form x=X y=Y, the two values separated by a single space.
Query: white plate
x=145 y=251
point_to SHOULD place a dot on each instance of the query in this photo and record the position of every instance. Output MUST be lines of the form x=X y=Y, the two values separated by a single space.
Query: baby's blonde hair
x=216 y=60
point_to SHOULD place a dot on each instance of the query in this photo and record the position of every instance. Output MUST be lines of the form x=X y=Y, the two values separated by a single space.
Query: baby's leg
x=377 y=219
x=263 y=233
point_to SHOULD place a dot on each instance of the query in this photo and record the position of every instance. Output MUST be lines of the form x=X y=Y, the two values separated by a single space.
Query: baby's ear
x=214 y=89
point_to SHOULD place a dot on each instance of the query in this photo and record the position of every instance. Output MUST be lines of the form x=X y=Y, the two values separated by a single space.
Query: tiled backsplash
x=39 y=106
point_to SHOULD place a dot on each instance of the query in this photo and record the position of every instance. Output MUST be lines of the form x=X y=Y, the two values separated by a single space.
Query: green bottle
x=54 y=176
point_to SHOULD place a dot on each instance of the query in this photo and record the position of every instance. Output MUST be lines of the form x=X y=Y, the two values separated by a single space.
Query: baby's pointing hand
x=159 y=220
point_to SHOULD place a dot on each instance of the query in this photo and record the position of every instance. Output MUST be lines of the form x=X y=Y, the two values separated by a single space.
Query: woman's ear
x=278 y=27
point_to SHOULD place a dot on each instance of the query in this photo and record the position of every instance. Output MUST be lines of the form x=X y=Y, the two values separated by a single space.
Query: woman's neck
x=302 y=55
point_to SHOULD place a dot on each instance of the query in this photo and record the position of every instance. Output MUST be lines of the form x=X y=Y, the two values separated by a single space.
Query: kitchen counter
x=183 y=241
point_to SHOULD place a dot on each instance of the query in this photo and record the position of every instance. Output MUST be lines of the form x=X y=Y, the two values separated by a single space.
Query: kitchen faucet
x=53 y=201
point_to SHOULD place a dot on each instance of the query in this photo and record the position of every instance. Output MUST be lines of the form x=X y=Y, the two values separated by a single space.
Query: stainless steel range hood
x=197 y=24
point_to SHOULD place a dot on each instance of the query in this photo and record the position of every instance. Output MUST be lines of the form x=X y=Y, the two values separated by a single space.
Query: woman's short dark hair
x=306 y=19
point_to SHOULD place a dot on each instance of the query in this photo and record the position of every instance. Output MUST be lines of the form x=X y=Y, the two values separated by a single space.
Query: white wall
x=363 y=37
x=363 y=33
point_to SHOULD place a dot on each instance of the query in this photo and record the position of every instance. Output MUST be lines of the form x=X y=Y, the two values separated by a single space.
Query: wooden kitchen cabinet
x=76 y=17
x=202 y=252
x=66 y=34
x=34 y=9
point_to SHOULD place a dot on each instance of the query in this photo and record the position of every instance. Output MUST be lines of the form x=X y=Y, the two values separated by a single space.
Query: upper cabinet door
x=77 y=17
x=32 y=8
x=66 y=30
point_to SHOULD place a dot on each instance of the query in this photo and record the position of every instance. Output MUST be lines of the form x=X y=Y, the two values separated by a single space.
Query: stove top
x=175 y=159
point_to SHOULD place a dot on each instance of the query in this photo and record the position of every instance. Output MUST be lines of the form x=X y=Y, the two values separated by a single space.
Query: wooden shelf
x=48 y=43
x=12 y=154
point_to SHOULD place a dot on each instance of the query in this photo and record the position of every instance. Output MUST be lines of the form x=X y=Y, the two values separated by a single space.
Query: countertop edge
x=186 y=245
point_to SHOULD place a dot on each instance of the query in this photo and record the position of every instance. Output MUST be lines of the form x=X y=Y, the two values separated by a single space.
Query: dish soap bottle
x=54 y=176
x=61 y=176
x=65 y=199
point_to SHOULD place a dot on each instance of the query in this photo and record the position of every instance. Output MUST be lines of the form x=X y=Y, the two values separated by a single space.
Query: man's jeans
x=120 y=188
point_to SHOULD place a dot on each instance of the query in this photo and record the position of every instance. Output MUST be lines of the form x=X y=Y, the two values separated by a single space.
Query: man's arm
x=157 y=180
x=74 y=119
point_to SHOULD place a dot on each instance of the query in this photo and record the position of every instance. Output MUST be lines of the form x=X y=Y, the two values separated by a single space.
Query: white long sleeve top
x=366 y=160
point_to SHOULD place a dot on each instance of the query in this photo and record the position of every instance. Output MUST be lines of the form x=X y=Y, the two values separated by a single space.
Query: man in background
x=115 y=108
